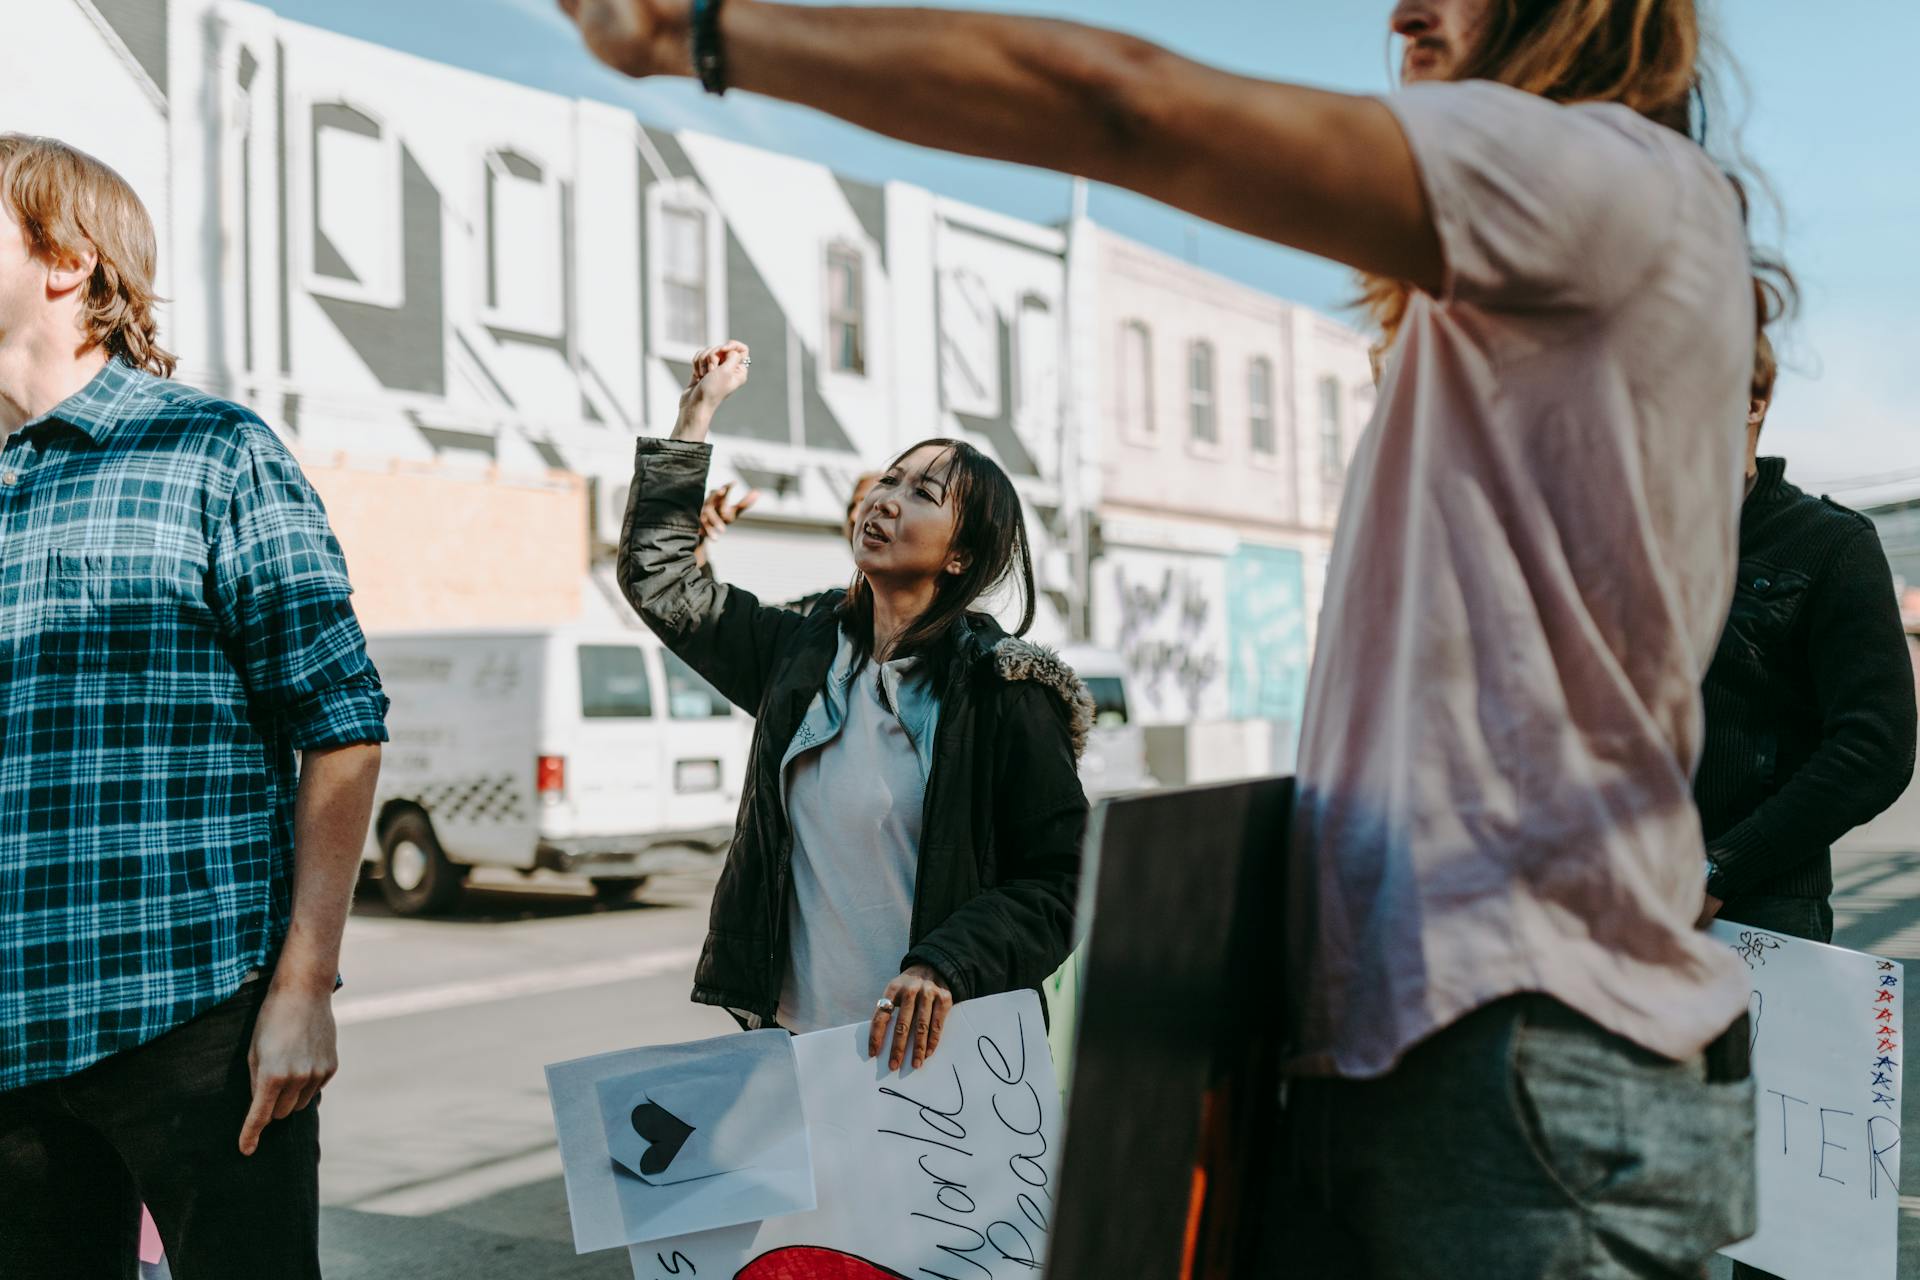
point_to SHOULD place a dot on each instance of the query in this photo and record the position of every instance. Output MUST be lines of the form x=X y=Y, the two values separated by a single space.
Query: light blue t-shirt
x=854 y=782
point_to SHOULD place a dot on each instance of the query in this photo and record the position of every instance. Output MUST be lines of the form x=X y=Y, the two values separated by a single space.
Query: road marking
x=350 y=1011
x=437 y=1195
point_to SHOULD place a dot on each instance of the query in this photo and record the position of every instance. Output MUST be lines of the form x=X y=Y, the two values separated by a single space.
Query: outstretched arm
x=1328 y=173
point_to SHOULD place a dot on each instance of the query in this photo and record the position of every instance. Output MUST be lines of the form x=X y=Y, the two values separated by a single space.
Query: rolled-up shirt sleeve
x=282 y=599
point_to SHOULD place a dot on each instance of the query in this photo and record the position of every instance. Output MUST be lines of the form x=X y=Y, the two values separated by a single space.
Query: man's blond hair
x=68 y=202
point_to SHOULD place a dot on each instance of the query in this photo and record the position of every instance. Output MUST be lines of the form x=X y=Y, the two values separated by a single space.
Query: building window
x=683 y=274
x=1037 y=349
x=970 y=345
x=1333 y=459
x=525 y=246
x=1202 y=426
x=846 y=310
x=1135 y=367
x=1260 y=407
x=685 y=269
x=355 y=174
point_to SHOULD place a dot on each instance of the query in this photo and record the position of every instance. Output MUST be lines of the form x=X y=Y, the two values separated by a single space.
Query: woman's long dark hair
x=989 y=534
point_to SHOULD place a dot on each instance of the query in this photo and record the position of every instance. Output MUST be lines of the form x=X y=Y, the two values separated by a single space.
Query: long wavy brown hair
x=1644 y=54
x=67 y=202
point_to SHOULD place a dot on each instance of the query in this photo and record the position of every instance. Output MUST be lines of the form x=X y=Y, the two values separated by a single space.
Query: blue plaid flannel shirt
x=174 y=625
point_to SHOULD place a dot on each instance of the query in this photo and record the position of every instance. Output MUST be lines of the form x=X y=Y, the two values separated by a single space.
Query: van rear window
x=688 y=696
x=1109 y=699
x=613 y=682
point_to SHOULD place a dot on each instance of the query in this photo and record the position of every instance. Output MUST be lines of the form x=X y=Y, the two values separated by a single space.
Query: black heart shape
x=665 y=1133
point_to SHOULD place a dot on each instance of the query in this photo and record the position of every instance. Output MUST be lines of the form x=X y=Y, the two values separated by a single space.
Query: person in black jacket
x=1809 y=699
x=910 y=825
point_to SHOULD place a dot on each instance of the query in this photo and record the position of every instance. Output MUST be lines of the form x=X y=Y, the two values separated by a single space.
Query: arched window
x=1260 y=433
x=1134 y=402
x=354 y=172
x=846 y=309
x=1203 y=426
x=524 y=288
x=1037 y=351
x=1333 y=454
x=685 y=269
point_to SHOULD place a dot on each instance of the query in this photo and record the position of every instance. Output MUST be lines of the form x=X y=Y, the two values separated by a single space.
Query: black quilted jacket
x=1005 y=813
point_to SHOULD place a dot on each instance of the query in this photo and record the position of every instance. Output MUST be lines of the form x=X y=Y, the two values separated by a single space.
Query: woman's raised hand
x=718 y=372
x=916 y=1004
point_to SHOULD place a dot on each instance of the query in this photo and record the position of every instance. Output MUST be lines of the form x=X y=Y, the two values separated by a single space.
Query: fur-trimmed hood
x=1017 y=659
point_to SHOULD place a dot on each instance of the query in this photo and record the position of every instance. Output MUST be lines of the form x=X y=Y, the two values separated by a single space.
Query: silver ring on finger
x=883 y=1005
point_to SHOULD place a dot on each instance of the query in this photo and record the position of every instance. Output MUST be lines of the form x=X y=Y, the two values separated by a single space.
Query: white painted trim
x=966 y=217
x=148 y=85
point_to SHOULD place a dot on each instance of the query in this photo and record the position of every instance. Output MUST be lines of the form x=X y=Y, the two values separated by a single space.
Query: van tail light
x=550 y=779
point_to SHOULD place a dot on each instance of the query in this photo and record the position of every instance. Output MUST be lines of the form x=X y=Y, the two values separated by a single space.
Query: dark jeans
x=1810 y=918
x=160 y=1124
x=1524 y=1142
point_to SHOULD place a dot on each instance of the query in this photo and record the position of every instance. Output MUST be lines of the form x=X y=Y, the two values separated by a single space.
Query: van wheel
x=617 y=893
x=415 y=877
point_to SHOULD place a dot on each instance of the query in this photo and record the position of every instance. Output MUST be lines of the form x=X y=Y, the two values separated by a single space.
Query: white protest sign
x=947 y=1171
x=680 y=1137
x=1827 y=1034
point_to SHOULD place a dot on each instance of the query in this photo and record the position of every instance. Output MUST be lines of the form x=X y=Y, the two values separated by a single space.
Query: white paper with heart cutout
x=747 y=1157
x=730 y=1114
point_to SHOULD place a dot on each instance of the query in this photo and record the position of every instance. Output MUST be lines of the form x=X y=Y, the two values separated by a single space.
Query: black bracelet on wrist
x=709 y=59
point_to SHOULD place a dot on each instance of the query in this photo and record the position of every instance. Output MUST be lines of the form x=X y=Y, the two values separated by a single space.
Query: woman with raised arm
x=1498 y=1005
x=909 y=831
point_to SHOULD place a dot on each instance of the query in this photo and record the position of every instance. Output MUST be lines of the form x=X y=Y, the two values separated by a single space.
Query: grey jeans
x=1524 y=1142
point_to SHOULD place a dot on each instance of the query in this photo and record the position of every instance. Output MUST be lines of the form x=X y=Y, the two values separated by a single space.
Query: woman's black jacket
x=1005 y=813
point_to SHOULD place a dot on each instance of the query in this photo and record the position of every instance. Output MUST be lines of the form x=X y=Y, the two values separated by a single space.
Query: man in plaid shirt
x=174 y=628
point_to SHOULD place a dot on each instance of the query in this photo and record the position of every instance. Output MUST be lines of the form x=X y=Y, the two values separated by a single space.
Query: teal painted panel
x=1266 y=634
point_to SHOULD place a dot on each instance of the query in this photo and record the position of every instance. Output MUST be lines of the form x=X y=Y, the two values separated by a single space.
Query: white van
x=594 y=753
x=1116 y=755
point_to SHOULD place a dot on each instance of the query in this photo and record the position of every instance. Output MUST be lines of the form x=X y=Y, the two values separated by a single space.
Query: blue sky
x=1829 y=117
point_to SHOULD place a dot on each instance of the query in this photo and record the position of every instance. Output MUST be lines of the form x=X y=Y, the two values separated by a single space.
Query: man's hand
x=716 y=513
x=292 y=1057
x=1708 y=911
x=634 y=37
x=917 y=1003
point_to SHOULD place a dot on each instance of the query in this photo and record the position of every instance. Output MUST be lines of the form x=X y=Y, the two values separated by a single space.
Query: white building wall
x=394 y=259
x=1215 y=550
x=124 y=121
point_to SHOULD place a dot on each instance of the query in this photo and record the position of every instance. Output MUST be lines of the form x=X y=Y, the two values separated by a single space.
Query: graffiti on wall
x=1164 y=616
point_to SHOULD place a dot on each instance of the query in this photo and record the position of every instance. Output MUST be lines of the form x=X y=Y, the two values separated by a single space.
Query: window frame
x=386 y=287
x=835 y=316
x=1144 y=430
x=492 y=314
x=1331 y=414
x=685 y=195
x=1207 y=399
